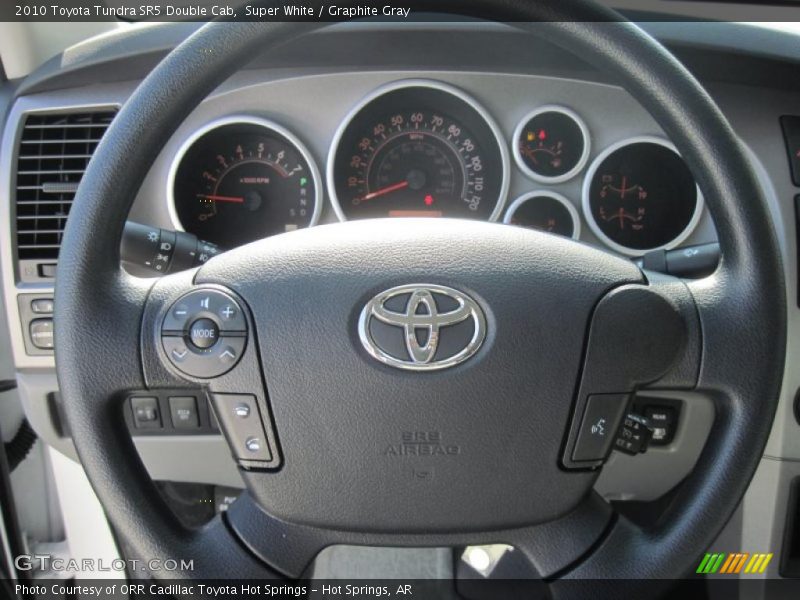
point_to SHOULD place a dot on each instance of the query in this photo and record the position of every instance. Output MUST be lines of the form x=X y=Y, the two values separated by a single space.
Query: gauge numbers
x=418 y=149
x=242 y=179
x=640 y=196
x=551 y=144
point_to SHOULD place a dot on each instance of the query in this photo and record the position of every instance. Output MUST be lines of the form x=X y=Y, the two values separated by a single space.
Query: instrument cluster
x=421 y=148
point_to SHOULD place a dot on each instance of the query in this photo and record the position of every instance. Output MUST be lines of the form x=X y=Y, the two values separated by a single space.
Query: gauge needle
x=622 y=216
x=238 y=199
x=386 y=190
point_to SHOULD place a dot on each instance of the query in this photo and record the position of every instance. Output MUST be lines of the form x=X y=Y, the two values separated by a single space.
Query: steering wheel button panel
x=240 y=420
x=204 y=333
x=601 y=420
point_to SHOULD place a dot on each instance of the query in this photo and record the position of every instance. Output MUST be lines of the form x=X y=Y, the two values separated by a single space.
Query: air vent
x=53 y=152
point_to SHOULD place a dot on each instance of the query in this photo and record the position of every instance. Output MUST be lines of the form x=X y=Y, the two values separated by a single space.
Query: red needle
x=387 y=190
x=238 y=199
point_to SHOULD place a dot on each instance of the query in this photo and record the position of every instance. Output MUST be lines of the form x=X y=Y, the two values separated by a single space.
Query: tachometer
x=418 y=149
x=241 y=179
x=639 y=195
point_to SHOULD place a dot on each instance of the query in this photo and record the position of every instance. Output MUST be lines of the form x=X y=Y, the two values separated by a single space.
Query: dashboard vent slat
x=53 y=153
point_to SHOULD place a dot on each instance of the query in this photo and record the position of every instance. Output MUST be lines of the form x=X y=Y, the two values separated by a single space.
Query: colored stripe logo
x=734 y=563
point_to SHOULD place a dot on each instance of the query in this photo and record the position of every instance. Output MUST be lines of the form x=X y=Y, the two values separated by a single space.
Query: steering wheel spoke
x=642 y=336
x=683 y=372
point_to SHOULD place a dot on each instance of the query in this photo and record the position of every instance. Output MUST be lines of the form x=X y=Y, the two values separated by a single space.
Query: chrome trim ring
x=587 y=212
x=426 y=83
x=266 y=124
x=587 y=144
x=573 y=212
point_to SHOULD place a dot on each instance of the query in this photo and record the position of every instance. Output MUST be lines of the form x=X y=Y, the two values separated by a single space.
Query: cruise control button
x=203 y=333
x=599 y=426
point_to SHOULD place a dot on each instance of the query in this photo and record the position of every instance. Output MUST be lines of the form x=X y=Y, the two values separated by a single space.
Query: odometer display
x=418 y=150
x=242 y=179
x=639 y=195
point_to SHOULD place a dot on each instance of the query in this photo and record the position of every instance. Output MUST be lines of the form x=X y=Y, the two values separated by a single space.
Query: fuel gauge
x=639 y=195
x=546 y=211
x=551 y=144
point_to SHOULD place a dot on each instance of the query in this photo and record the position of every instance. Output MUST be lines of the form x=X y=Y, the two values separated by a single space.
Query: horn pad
x=413 y=364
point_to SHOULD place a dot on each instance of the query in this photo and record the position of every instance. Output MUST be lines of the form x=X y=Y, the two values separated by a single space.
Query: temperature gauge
x=639 y=196
x=545 y=211
x=551 y=144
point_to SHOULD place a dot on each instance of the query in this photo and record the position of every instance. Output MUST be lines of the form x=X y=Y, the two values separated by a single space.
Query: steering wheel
x=565 y=326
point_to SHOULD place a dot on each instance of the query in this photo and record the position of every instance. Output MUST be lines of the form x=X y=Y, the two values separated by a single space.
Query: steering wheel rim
x=739 y=365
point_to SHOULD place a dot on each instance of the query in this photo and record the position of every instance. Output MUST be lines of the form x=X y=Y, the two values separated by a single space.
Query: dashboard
x=426 y=148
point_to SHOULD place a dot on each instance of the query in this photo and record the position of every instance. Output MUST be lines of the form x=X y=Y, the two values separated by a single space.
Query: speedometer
x=418 y=149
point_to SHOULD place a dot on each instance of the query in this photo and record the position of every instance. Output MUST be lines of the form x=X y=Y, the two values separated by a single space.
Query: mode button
x=203 y=333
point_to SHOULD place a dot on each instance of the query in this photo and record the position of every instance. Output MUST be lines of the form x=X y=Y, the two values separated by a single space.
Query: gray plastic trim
x=194 y=459
x=650 y=475
x=11 y=134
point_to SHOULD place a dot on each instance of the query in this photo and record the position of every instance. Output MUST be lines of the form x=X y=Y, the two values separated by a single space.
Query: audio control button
x=211 y=304
x=204 y=363
x=203 y=333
